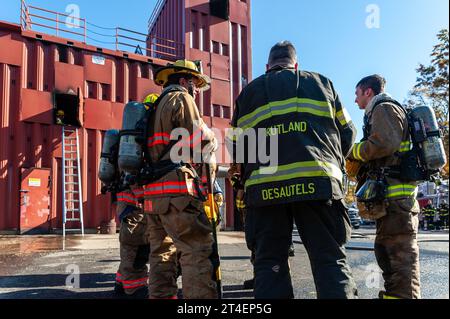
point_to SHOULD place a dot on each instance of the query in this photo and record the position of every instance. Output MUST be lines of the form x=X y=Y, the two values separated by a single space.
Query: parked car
x=355 y=219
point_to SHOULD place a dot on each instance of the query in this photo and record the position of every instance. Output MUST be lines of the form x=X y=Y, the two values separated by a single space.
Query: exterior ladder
x=72 y=188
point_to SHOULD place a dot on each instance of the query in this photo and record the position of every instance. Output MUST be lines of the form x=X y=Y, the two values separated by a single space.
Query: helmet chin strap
x=191 y=88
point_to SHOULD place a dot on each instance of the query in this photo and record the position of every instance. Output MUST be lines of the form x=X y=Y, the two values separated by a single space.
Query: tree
x=432 y=87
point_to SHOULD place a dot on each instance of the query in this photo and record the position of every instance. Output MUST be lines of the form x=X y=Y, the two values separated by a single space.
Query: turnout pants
x=397 y=251
x=180 y=225
x=324 y=228
x=134 y=252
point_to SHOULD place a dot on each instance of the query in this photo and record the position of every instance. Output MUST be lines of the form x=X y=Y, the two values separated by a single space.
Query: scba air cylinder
x=130 y=151
x=107 y=171
x=432 y=145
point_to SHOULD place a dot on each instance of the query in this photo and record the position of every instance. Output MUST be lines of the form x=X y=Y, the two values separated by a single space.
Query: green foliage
x=432 y=87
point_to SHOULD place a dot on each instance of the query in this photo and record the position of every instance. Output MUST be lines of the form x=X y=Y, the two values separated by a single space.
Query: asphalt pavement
x=47 y=267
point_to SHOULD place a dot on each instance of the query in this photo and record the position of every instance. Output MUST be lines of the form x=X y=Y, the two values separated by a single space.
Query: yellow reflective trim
x=240 y=204
x=358 y=152
x=264 y=108
x=233 y=134
x=297 y=108
x=285 y=177
x=294 y=109
x=401 y=194
x=405 y=186
x=401 y=190
x=288 y=167
x=405 y=147
x=390 y=297
x=343 y=117
x=354 y=151
x=316 y=169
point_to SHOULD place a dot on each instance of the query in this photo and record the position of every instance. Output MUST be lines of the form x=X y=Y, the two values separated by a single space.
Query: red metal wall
x=32 y=68
x=167 y=22
x=224 y=47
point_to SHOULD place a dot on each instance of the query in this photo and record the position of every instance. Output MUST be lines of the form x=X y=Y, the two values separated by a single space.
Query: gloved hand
x=240 y=204
x=210 y=149
x=126 y=212
x=235 y=170
x=218 y=198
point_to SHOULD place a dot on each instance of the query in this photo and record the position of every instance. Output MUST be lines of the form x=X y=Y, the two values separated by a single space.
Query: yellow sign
x=34 y=182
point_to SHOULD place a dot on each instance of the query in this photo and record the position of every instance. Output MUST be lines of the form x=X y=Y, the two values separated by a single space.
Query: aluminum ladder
x=72 y=188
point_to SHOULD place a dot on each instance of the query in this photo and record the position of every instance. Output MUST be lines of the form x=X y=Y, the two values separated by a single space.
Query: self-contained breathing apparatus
x=421 y=163
x=108 y=172
x=125 y=159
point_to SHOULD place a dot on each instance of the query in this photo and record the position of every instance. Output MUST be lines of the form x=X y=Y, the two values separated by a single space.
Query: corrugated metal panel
x=224 y=47
x=31 y=72
x=165 y=23
x=35 y=66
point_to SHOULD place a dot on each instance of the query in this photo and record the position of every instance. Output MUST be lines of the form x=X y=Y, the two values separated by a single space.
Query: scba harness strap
x=409 y=169
x=367 y=127
x=153 y=171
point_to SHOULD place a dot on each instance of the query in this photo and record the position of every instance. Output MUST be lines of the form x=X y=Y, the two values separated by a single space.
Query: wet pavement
x=46 y=267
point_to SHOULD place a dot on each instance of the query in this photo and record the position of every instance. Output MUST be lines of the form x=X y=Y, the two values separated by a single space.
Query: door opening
x=67 y=109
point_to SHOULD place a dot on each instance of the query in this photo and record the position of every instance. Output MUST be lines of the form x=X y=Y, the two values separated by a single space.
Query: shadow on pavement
x=58 y=294
x=236 y=291
x=87 y=281
x=235 y=258
x=40 y=287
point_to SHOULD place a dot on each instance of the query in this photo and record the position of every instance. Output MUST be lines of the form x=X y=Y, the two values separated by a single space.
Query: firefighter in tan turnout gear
x=175 y=200
x=132 y=276
x=381 y=197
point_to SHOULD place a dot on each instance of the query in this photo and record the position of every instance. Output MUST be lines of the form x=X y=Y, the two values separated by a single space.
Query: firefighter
x=422 y=219
x=60 y=117
x=429 y=213
x=242 y=209
x=305 y=185
x=218 y=202
x=175 y=198
x=443 y=213
x=234 y=174
x=385 y=197
x=132 y=276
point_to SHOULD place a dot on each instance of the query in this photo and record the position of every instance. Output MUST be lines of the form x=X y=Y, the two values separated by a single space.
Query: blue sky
x=331 y=36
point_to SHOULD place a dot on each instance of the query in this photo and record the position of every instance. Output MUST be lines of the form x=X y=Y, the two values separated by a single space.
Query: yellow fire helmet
x=60 y=113
x=150 y=100
x=180 y=67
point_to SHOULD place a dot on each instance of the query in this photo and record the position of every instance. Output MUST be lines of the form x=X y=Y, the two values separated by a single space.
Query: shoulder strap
x=148 y=119
x=392 y=101
x=367 y=118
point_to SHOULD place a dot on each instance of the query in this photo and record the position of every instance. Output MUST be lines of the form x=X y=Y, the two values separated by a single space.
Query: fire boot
x=249 y=284
x=292 y=251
